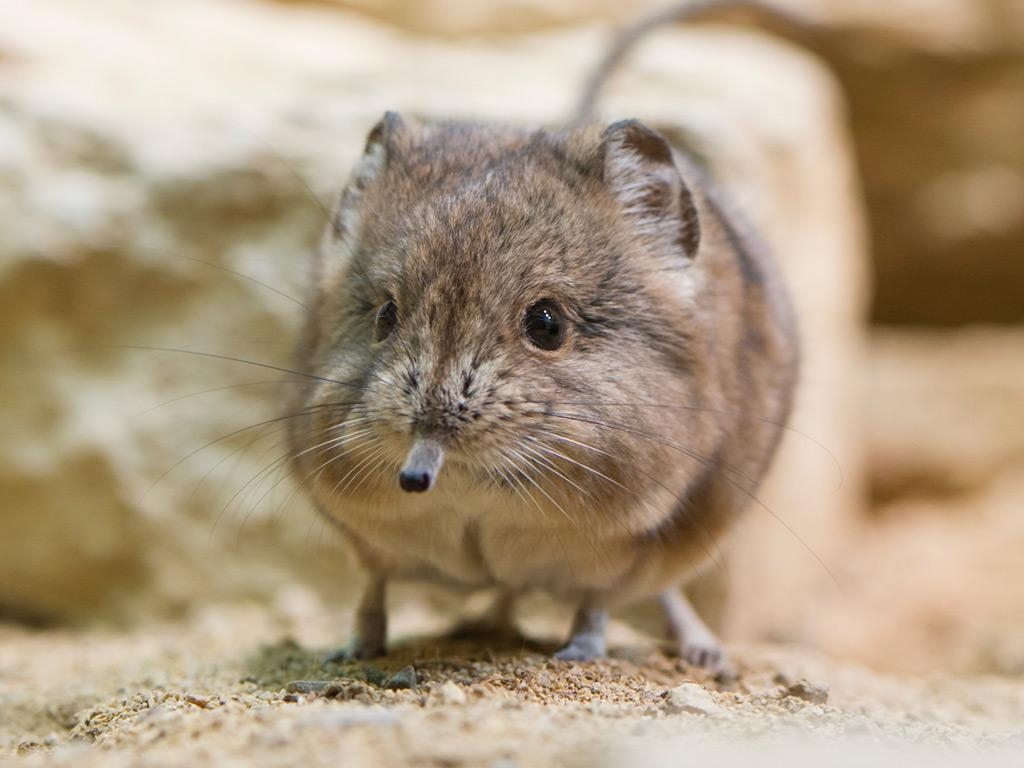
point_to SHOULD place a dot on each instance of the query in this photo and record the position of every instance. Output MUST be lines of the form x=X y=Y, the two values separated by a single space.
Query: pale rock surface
x=691 y=698
x=964 y=429
x=137 y=143
x=934 y=584
x=937 y=113
x=935 y=579
x=451 y=693
x=940 y=25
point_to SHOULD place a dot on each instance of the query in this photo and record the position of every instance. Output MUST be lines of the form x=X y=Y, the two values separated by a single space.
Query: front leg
x=370 y=638
x=587 y=638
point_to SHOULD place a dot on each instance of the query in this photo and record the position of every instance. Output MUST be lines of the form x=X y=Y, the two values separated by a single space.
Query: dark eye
x=386 y=320
x=544 y=326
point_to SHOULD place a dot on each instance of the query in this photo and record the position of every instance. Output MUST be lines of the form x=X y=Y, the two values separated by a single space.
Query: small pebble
x=403 y=679
x=451 y=693
x=374 y=676
x=197 y=701
x=306 y=686
x=336 y=691
x=692 y=698
x=808 y=691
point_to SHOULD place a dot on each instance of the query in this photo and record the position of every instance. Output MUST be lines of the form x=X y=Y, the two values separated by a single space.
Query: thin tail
x=679 y=12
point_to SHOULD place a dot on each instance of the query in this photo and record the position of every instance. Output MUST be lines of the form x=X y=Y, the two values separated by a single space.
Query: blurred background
x=149 y=151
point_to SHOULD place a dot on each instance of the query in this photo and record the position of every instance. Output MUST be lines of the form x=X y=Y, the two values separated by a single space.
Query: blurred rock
x=808 y=691
x=934 y=585
x=925 y=24
x=937 y=113
x=451 y=693
x=138 y=148
x=691 y=698
x=461 y=18
x=946 y=411
x=933 y=579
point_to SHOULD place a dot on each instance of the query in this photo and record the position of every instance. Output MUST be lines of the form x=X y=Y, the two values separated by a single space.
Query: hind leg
x=697 y=644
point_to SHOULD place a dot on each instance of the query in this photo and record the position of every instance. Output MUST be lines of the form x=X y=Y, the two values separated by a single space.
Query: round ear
x=641 y=172
x=383 y=144
x=381 y=147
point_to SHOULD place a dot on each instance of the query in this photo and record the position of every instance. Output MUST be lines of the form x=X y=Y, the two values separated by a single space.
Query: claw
x=709 y=657
x=579 y=651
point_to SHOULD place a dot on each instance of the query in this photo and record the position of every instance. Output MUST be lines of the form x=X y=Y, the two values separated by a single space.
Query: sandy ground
x=246 y=686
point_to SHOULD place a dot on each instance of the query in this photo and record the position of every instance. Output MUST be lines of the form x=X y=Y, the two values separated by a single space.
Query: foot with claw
x=710 y=657
x=581 y=649
x=697 y=644
x=587 y=639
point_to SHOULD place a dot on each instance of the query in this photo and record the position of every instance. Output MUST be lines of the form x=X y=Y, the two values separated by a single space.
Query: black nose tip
x=414 y=481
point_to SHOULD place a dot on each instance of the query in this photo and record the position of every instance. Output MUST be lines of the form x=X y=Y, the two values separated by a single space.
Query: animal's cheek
x=388 y=411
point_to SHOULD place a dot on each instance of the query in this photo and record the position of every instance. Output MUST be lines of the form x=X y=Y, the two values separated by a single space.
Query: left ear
x=640 y=171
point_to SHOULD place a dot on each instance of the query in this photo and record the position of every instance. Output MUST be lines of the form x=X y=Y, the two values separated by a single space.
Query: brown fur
x=607 y=469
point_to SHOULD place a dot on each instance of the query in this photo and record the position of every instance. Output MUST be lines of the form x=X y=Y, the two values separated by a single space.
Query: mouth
x=422 y=466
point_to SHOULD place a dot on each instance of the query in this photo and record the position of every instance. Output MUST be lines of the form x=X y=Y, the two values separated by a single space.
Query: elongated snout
x=422 y=466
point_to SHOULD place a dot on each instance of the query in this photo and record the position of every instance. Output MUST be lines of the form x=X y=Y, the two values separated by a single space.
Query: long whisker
x=349 y=477
x=361 y=437
x=252 y=279
x=375 y=469
x=214 y=389
x=517 y=474
x=239 y=450
x=703 y=409
x=339 y=440
x=229 y=358
x=528 y=476
x=551 y=466
x=598 y=558
x=289 y=457
x=256 y=478
x=305 y=185
x=231 y=434
x=707 y=464
x=300 y=483
x=716 y=555
x=660 y=440
x=620 y=523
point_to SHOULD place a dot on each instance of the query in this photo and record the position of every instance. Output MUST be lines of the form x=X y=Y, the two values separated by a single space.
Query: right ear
x=640 y=170
x=382 y=145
